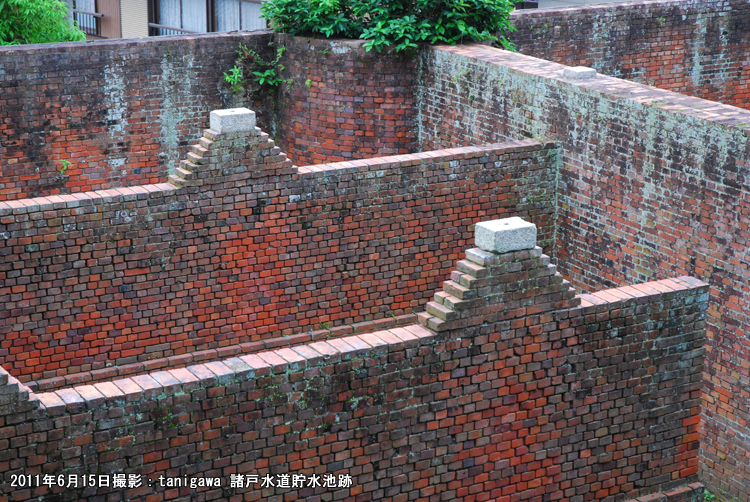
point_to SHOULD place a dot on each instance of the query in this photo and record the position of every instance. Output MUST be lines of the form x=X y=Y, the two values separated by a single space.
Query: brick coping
x=107 y=196
x=201 y=356
x=614 y=88
x=598 y=302
x=175 y=380
x=133 y=42
x=432 y=156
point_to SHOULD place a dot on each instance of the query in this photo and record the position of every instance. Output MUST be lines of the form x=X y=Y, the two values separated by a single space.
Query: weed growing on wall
x=234 y=78
x=253 y=73
x=401 y=24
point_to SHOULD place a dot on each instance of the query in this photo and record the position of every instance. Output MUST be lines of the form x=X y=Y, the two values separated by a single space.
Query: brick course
x=694 y=47
x=652 y=184
x=594 y=399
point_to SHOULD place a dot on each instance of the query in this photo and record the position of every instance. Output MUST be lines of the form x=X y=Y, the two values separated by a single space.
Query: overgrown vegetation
x=254 y=73
x=399 y=23
x=36 y=22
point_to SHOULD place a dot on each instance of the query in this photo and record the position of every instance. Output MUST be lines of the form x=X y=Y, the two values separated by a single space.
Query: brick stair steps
x=176 y=180
x=430 y=321
x=180 y=182
x=455 y=289
x=472 y=269
x=453 y=303
x=184 y=173
x=441 y=311
x=195 y=159
x=199 y=151
x=481 y=257
x=464 y=280
x=441 y=297
x=188 y=166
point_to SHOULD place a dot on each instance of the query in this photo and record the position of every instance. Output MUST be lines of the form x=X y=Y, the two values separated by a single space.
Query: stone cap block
x=232 y=120
x=505 y=235
x=579 y=72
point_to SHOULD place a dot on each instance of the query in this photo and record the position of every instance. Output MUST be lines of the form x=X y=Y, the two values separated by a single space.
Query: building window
x=173 y=17
x=85 y=14
x=234 y=15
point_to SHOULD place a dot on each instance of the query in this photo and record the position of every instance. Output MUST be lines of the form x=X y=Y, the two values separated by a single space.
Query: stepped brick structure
x=478 y=291
x=232 y=250
x=140 y=239
x=512 y=386
x=529 y=391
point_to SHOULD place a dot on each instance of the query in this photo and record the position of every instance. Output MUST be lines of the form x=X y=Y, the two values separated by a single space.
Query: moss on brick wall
x=652 y=184
x=694 y=47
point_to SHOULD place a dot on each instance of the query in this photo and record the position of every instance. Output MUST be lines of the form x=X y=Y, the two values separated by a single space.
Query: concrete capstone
x=232 y=120
x=505 y=235
x=579 y=72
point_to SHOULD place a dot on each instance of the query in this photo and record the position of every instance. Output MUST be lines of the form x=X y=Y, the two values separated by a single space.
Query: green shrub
x=36 y=22
x=400 y=23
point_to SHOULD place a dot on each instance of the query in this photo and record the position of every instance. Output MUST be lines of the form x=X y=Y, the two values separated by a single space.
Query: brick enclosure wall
x=122 y=112
x=694 y=47
x=345 y=103
x=250 y=248
x=652 y=184
x=592 y=398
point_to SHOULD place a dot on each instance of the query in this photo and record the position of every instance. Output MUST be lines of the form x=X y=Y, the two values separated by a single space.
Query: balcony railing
x=89 y=22
x=160 y=29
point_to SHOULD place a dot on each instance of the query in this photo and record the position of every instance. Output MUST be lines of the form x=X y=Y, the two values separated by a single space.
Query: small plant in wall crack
x=65 y=165
x=254 y=73
x=234 y=78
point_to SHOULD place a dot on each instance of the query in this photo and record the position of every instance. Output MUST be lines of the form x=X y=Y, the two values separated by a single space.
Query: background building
x=143 y=18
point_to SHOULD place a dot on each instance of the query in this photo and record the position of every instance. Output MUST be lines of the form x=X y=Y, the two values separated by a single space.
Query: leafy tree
x=36 y=22
x=402 y=23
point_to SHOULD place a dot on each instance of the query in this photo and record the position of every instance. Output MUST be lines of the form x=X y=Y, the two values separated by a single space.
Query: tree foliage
x=36 y=22
x=401 y=23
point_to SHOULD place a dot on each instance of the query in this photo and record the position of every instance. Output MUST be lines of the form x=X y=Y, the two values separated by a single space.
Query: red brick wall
x=345 y=103
x=652 y=184
x=258 y=250
x=693 y=47
x=566 y=402
x=122 y=112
